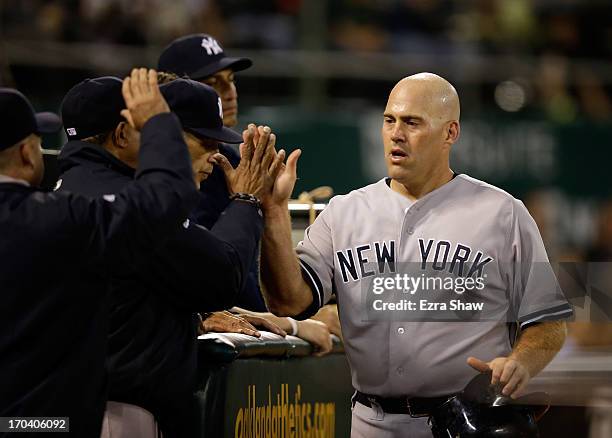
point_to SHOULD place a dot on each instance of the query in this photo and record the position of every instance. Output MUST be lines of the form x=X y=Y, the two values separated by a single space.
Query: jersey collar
x=8 y=179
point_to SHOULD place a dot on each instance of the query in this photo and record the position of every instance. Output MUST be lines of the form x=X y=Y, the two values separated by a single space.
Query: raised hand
x=285 y=182
x=142 y=97
x=259 y=163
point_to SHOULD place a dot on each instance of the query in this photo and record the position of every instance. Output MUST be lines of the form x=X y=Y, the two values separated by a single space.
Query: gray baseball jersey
x=465 y=226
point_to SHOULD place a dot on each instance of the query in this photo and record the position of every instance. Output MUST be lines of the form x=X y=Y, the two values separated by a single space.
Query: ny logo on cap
x=212 y=46
x=220 y=107
x=71 y=131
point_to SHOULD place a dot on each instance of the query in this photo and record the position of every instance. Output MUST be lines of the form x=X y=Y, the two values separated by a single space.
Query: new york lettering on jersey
x=462 y=261
x=354 y=261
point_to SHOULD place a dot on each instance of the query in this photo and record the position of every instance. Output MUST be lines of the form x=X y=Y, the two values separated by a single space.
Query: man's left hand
x=226 y=322
x=285 y=181
x=264 y=323
x=511 y=373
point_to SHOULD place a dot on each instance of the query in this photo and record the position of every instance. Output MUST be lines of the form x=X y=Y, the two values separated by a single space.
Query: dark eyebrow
x=405 y=118
x=410 y=118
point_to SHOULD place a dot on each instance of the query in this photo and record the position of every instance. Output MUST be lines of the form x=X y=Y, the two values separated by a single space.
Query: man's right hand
x=317 y=334
x=328 y=315
x=142 y=97
x=259 y=163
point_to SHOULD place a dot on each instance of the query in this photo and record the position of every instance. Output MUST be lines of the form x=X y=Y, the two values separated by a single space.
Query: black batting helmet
x=480 y=411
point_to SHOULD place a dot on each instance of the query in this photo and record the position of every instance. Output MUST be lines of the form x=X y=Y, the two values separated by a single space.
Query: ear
x=26 y=155
x=120 y=137
x=29 y=156
x=452 y=132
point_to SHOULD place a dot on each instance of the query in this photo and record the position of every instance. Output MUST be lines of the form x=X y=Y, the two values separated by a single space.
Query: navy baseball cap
x=93 y=107
x=198 y=56
x=199 y=110
x=19 y=119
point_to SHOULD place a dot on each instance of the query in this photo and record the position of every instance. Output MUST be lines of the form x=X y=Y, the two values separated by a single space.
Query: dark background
x=534 y=77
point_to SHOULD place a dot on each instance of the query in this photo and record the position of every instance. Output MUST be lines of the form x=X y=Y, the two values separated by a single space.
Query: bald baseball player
x=422 y=213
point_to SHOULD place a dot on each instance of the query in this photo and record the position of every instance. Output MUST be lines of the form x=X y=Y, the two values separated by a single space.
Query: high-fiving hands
x=262 y=171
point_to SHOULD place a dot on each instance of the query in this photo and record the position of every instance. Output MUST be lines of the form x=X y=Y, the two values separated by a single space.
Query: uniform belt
x=415 y=406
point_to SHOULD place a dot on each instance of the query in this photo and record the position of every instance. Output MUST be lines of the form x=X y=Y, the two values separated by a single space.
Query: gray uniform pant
x=374 y=423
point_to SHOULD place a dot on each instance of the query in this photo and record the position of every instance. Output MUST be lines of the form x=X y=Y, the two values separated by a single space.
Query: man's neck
x=419 y=187
x=4 y=178
x=115 y=152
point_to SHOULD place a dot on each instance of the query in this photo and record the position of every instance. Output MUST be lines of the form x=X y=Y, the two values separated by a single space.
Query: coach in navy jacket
x=202 y=58
x=56 y=251
x=152 y=345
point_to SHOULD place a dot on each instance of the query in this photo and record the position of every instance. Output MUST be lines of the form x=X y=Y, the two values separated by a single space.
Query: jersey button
x=411 y=231
x=400 y=370
x=400 y=330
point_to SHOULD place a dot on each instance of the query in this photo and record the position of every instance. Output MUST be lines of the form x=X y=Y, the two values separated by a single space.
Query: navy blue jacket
x=56 y=250
x=214 y=199
x=152 y=343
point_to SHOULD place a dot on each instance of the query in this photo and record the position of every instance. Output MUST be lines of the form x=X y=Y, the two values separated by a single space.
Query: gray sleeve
x=316 y=257
x=536 y=294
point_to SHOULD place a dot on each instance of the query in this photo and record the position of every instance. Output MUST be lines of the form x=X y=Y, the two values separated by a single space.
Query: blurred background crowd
x=534 y=76
x=554 y=53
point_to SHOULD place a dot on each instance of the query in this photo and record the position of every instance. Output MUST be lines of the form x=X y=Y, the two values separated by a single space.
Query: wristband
x=246 y=197
x=294 y=326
